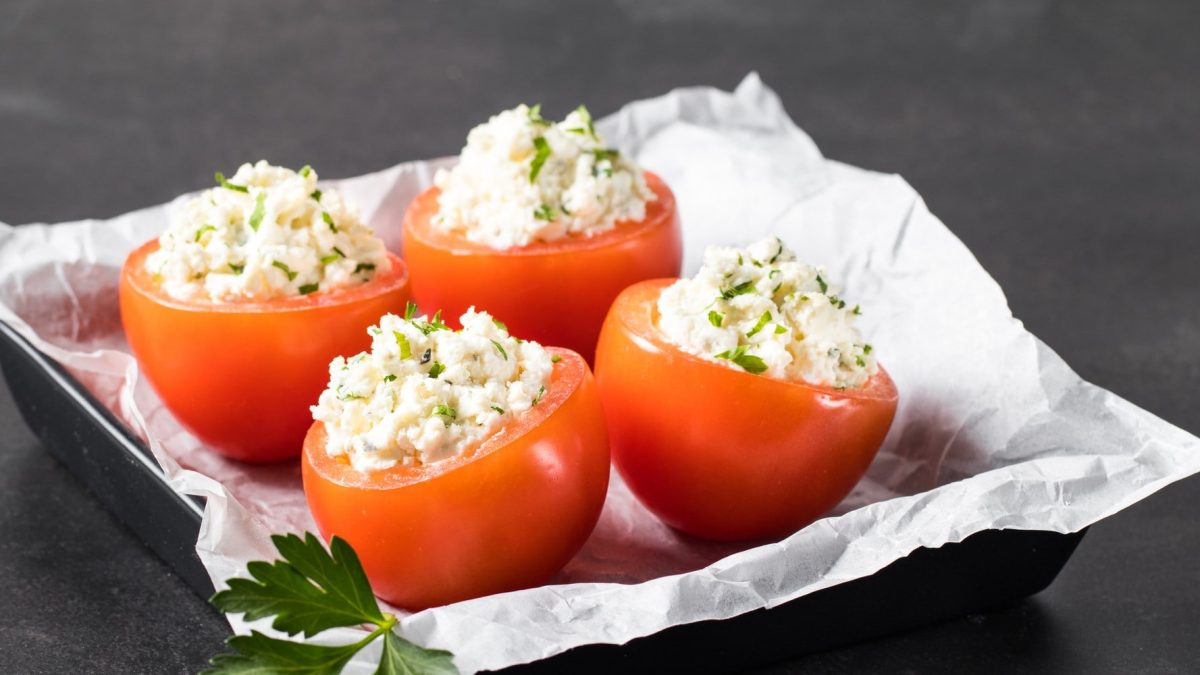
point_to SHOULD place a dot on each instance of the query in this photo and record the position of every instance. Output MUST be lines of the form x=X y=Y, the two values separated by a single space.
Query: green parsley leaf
x=499 y=324
x=329 y=221
x=588 y=127
x=859 y=360
x=857 y=311
x=544 y=212
x=750 y=363
x=200 y=232
x=305 y=170
x=500 y=348
x=436 y=369
x=603 y=154
x=308 y=591
x=715 y=318
x=778 y=252
x=315 y=194
x=779 y=329
x=498 y=409
x=730 y=292
x=543 y=153
x=343 y=396
x=309 y=288
x=762 y=322
x=325 y=260
x=821 y=282
x=867 y=349
x=237 y=269
x=538 y=399
x=389 y=378
x=403 y=343
x=410 y=310
x=363 y=267
x=535 y=116
x=286 y=270
x=446 y=411
x=229 y=186
x=259 y=207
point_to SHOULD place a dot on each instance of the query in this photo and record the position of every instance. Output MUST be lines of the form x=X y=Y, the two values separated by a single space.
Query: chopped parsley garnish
x=821 y=282
x=343 y=396
x=588 y=127
x=403 y=344
x=436 y=369
x=498 y=409
x=837 y=302
x=305 y=170
x=200 y=232
x=433 y=324
x=329 y=221
x=803 y=298
x=286 y=270
x=730 y=292
x=500 y=348
x=750 y=363
x=777 y=253
x=535 y=116
x=762 y=322
x=229 y=186
x=604 y=154
x=309 y=288
x=363 y=267
x=867 y=349
x=237 y=269
x=779 y=329
x=446 y=411
x=389 y=378
x=499 y=324
x=772 y=273
x=410 y=310
x=259 y=208
x=555 y=358
x=857 y=311
x=715 y=318
x=544 y=212
x=325 y=260
x=543 y=153
x=310 y=590
x=315 y=194
x=859 y=360
x=541 y=392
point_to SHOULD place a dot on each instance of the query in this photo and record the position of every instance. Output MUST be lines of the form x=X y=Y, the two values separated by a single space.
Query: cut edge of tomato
x=642 y=324
x=140 y=280
x=659 y=213
x=569 y=373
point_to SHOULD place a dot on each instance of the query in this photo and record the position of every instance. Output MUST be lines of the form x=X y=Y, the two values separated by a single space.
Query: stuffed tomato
x=724 y=436
x=543 y=225
x=457 y=463
x=235 y=313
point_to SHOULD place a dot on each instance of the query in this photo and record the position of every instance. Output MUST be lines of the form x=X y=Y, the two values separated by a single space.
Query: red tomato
x=504 y=517
x=721 y=453
x=240 y=376
x=556 y=292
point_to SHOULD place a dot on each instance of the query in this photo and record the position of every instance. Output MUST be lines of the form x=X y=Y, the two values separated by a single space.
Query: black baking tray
x=987 y=570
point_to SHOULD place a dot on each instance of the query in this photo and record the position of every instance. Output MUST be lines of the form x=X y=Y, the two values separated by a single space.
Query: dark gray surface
x=1058 y=139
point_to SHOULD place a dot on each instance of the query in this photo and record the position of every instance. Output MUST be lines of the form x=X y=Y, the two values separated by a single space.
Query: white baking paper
x=993 y=431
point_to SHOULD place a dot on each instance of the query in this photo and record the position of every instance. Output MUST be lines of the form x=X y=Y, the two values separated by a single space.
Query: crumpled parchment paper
x=993 y=431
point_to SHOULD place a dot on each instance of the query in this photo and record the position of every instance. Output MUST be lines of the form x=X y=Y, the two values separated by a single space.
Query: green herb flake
x=500 y=348
x=498 y=409
x=605 y=154
x=200 y=232
x=535 y=116
x=544 y=212
x=309 y=288
x=762 y=322
x=403 y=344
x=555 y=358
x=230 y=186
x=539 y=159
x=778 y=252
x=715 y=318
x=588 y=127
x=237 y=269
x=316 y=194
x=332 y=257
x=342 y=395
x=286 y=270
x=748 y=362
x=867 y=349
x=305 y=171
x=329 y=221
x=363 y=267
x=821 y=282
x=311 y=590
x=389 y=378
x=857 y=311
x=730 y=292
x=859 y=360
x=499 y=324
x=259 y=209
x=436 y=369
x=410 y=310
x=446 y=411
x=779 y=329
x=541 y=392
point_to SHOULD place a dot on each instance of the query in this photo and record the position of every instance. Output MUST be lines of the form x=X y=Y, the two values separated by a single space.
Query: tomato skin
x=241 y=376
x=505 y=517
x=556 y=292
x=720 y=453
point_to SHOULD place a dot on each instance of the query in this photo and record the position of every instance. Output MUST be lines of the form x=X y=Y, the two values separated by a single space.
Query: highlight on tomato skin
x=241 y=376
x=552 y=292
x=505 y=516
x=718 y=452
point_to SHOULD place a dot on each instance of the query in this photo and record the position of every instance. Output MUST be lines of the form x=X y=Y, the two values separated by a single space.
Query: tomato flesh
x=720 y=453
x=241 y=375
x=506 y=516
x=555 y=292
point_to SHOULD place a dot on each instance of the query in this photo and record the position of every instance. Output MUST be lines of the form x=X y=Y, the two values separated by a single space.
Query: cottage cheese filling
x=267 y=232
x=759 y=310
x=425 y=393
x=522 y=179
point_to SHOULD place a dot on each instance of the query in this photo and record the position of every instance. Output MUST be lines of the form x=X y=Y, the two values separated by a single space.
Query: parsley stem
x=389 y=622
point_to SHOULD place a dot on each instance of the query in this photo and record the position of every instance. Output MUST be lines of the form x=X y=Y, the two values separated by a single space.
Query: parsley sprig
x=308 y=591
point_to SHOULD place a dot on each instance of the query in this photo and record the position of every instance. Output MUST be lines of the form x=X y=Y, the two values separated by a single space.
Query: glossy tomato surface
x=721 y=453
x=556 y=293
x=241 y=375
x=504 y=517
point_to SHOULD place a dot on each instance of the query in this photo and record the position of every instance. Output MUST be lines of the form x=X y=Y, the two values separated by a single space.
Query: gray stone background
x=1059 y=140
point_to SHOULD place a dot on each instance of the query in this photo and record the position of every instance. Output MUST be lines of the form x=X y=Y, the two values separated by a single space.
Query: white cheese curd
x=760 y=310
x=522 y=179
x=267 y=232
x=425 y=393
